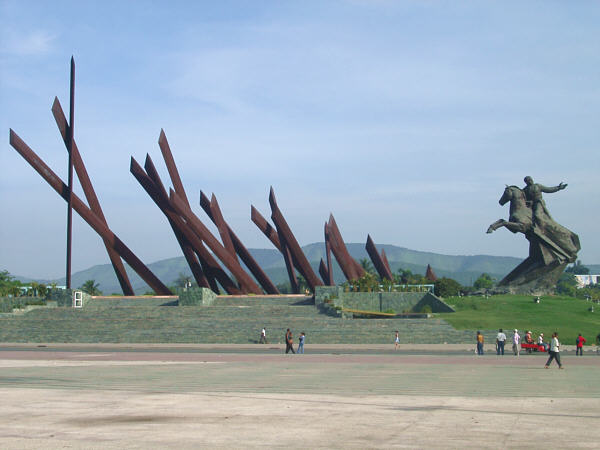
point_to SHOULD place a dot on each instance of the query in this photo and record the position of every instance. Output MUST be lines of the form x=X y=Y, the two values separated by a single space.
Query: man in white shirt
x=516 y=343
x=500 y=339
x=263 y=336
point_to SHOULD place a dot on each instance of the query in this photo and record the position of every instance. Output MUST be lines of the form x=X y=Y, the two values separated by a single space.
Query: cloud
x=34 y=43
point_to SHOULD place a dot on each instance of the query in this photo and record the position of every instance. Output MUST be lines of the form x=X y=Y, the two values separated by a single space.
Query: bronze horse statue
x=520 y=219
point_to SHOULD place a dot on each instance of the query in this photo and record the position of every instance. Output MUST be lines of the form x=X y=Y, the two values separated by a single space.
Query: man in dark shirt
x=289 y=342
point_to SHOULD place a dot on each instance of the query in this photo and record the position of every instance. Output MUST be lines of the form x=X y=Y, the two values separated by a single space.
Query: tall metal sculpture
x=88 y=215
x=198 y=266
x=90 y=195
x=379 y=262
x=211 y=207
x=351 y=269
x=70 y=131
x=285 y=235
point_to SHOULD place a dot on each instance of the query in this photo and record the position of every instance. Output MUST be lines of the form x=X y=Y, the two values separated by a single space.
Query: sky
x=404 y=119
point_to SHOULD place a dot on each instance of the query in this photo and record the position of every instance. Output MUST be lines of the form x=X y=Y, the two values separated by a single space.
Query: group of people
x=553 y=348
x=289 y=341
x=501 y=340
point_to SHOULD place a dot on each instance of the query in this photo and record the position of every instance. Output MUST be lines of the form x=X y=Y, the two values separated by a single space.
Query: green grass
x=566 y=315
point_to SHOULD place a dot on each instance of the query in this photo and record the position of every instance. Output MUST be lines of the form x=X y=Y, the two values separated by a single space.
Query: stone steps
x=226 y=321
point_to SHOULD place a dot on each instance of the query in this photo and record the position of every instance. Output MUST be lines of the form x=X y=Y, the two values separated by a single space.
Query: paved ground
x=62 y=396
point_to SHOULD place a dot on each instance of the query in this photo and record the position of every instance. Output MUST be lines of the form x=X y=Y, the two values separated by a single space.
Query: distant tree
x=578 y=269
x=447 y=287
x=42 y=290
x=483 y=282
x=8 y=285
x=91 y=287
x=366 y=264
x=404 y=276
x=567 y=285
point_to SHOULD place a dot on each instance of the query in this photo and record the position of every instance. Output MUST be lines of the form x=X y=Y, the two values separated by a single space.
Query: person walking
x=554 y=351
x=479 y=343
x=289 y=342
x=516 y=343
x=396 y=341
x=263 y=336
x=500 y=339
x=579 y=341
x=301 y=343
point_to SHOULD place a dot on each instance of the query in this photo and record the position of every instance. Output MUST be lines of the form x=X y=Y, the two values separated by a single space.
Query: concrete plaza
x=192 y=396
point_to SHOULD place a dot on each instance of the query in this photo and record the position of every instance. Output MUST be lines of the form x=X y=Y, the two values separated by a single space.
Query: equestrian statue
x=551 y=246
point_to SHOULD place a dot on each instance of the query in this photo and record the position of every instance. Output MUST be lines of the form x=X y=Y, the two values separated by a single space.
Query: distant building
x=586 y=280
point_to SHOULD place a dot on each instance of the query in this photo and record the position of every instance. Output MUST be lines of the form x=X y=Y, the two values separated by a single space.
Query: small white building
x=586 y=280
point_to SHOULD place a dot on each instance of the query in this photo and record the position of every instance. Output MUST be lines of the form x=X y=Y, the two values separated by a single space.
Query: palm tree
x=91 y=287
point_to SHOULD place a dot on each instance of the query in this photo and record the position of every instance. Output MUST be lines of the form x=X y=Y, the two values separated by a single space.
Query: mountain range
x=464 y=269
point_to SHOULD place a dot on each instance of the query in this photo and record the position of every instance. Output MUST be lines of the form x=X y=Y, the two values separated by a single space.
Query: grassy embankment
x=566 y=315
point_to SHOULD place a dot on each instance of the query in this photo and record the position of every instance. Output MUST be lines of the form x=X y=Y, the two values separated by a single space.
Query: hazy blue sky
x=404 y=119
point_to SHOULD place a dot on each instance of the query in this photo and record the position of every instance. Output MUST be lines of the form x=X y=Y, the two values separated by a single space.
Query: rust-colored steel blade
x=323 y=270
x=195 y=242
x=329 y=280
x=386 y=263
x=289 y=265
x=298 y=256
x=88 y=215
x=171 y=166
x=266 y=283
x=198 y=271
x=219 y=221
x=352 y=270
x=265 y=227
x=246 y=282
x=90 y=195
x=186 y=248
x=380 y=266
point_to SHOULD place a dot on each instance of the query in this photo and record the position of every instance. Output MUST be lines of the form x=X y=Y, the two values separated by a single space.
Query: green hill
x=463 y=268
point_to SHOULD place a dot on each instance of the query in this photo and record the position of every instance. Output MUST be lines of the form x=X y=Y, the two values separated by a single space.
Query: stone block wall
x=197 y=296
x=399 y=302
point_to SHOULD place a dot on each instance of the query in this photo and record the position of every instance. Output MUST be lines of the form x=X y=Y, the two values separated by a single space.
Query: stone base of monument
x=530 y=277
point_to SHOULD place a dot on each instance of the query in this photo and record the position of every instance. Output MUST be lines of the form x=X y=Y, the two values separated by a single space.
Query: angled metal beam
x=268 y=286
x=217 y=217
x=265 y=227
x=247 y=284
x=272 y=235
x=323 y=270
x=298 y=256
x=185 y=245
x=352 y=270
x=194 y=240
x=199 y=273
x=88 y=215
x=330 y=281
x=380 y=266
x=289 y=265
x=386 y=262
x=90 y=195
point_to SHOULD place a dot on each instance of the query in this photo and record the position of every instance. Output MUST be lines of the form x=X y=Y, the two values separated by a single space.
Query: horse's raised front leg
x=497 y=224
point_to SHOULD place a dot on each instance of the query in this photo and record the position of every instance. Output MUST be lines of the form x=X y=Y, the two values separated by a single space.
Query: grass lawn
x=566 y=315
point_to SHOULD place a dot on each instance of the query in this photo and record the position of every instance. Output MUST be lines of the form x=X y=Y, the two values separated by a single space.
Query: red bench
x=534 y=347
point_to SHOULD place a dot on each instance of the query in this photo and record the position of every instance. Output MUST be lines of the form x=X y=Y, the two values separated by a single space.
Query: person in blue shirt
x=301 y=343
